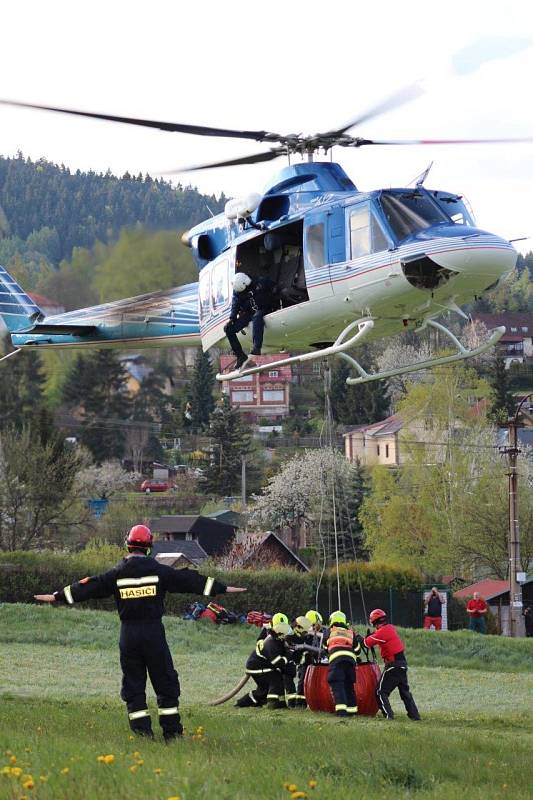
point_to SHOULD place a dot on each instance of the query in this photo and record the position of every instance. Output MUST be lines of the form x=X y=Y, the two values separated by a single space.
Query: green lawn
x=59 y=681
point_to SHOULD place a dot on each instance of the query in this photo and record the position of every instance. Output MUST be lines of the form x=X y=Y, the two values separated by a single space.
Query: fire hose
x=230 y=694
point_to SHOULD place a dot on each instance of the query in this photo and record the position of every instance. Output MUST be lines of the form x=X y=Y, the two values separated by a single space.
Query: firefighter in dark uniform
x=301 y=637
x=139 y=584
x=269 y=665
x=394 y=675
x=343 y=649
x=266 y=629
x=252 y=299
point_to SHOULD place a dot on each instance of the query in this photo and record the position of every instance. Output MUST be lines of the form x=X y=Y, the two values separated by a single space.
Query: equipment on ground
x=349 y=266
x=236 y=689
x=318 y=693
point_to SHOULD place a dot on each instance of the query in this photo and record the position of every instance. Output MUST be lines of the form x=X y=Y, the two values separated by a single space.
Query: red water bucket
x=319 y=697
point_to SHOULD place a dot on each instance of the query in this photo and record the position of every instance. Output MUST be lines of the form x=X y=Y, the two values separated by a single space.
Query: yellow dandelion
x=65 y=770
x=28 y=784
x=298 y=795
x=131 y=738
x=174 y=797
x=291 y=787
x=136 y=754
x=16 y=772
x=134 y=768
x=12 y=759
x=24 y=797
x=158 y=771
x=312 y=784
x=5 y=771
x=200 y=730
x=140 y=762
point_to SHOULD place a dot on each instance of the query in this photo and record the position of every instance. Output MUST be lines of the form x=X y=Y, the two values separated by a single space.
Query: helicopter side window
x=410 y=212
x=219 y=285
x=366 y=235
x=316 y=252
x=203 y=295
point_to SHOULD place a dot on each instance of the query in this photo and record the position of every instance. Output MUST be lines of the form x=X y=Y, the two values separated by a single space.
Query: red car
x=154 y=486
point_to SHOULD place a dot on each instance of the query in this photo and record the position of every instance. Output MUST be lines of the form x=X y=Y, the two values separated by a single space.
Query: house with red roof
x=264 y=395
x=516 y=345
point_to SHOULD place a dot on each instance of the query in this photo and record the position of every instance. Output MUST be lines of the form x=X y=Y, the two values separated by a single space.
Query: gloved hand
x=359 y=639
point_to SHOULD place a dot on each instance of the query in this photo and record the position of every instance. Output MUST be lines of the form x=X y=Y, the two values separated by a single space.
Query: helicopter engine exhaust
x=423 y=273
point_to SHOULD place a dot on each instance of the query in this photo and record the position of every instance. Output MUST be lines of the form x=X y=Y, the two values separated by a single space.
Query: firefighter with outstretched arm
x=139 y=584
x=394 y=675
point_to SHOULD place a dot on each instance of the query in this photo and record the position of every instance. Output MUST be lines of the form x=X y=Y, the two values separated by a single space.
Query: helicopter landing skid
x=461 y=355
x=364 y=326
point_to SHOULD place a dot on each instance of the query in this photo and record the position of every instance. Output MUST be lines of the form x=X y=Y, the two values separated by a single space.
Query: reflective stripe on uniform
x=279 y=658
x=257 y=671
x=341 y=707
x=351 y=709
x=252 y=698
x=208 y=586
x=275 y=697
x=333 y=656
x=68 y=595
x=139 y=714
x=137 y=581
x=164 y=711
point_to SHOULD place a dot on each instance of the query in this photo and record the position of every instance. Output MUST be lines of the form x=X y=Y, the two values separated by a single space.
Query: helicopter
x=349 y=266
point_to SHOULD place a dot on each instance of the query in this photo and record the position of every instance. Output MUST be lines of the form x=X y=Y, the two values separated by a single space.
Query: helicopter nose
x=476 y=252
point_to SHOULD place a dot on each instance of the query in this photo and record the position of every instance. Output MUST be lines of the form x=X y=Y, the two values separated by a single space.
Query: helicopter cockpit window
x=366 y=235
x=411 y=211
x=203 y=295
x=316 y=253
x=219 y=285
x=455 y=207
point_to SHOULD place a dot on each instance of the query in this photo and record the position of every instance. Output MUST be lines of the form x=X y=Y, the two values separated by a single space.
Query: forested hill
x=79 y=208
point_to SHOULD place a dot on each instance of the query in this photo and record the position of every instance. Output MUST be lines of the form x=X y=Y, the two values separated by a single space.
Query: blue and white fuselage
x=397 y=256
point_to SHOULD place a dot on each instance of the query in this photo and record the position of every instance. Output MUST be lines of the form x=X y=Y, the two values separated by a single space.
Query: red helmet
x=376 y=615
x=139 y=537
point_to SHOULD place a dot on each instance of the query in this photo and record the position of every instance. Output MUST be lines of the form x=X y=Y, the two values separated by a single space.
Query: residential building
x=378 y=443
x=516 y=345
x=260 y=551
x=213 y=536
x=264 y=395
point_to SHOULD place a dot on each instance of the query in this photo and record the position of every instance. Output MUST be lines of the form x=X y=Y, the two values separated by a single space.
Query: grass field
x=60 y=711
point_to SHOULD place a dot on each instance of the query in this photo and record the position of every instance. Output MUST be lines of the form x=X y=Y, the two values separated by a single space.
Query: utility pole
x=515 y=568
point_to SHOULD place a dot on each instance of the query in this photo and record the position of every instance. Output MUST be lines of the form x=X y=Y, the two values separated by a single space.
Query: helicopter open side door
x=214 y=298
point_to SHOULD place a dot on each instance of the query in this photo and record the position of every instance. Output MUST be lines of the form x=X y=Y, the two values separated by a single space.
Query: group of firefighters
x=283 y=653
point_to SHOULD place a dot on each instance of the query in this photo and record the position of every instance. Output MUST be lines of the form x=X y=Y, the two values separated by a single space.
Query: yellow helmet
x=302 y=625
x=282 y=629
x=314 y=617
x=279 y=617
x=337 y=618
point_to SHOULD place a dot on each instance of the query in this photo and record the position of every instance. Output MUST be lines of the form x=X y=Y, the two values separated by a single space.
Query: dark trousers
x=478 y=624
x=341 y=678
x=231 y=330
x=144 y=649
x=393 y=677
x=269 y=688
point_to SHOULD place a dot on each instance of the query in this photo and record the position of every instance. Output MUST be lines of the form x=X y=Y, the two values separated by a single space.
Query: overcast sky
x=288 y=67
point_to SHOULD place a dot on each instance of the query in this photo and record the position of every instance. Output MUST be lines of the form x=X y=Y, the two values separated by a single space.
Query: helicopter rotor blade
x=405 y=95
x=177 y=127
x=256 y=158
x=363 y=142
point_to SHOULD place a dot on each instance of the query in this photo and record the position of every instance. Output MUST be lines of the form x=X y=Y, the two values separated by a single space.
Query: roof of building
x=259 y=539
x=190 y=550
x=227 y=516
x=384 y=428
x=510 y=319
x=487 y=588
x=214 y=536
x=284 y=373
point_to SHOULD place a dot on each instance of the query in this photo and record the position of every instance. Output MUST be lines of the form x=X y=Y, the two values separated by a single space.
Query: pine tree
x=503 y=402
x=201 y=395
x=356 y=405
x=96 y=387
x=231 y=441
x=21 y=390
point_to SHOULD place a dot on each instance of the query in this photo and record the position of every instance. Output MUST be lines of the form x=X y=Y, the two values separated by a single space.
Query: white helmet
x=241 y=281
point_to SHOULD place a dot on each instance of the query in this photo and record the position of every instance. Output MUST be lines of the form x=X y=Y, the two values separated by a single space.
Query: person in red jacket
x=476 y=608
x=394 y=675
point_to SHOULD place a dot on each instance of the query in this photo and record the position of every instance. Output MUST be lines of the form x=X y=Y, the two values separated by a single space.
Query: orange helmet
x=376 y=615
x=139 y=538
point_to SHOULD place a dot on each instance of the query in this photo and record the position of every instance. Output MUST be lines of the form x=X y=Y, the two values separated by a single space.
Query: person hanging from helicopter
x=252 y=299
